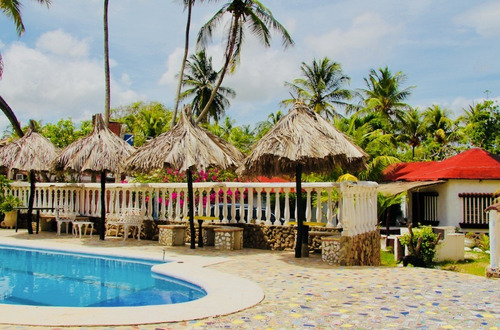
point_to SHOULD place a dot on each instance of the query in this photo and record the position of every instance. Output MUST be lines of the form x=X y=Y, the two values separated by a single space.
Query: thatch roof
x=31 y=152
x=304 y=137
x=185 y=146
x=101 y=150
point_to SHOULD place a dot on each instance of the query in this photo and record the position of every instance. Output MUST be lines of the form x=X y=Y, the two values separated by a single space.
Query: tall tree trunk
x=229 y=52
x=11 y=116
x=183 y=66
x=107 y=102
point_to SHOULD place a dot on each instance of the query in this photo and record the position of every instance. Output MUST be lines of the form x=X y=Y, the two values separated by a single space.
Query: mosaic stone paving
x=306 y=293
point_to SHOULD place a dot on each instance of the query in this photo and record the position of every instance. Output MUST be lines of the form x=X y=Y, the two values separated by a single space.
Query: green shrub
x=484 y=242
x=427 y=248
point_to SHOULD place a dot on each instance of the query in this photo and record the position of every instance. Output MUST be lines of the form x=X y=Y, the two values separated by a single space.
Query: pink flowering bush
x=211 y=175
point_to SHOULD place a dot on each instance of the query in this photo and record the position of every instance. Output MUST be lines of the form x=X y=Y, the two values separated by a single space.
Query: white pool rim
x=226 y=294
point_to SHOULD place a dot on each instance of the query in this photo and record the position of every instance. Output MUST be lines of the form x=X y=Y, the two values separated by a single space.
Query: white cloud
x=483 y=19
x=57 y=79
x=173 y=64
x=60 y=43
x=367 y=39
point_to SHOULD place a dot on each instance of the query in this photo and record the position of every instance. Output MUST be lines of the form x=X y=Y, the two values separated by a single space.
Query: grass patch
x=387 y=259
x=475 y=263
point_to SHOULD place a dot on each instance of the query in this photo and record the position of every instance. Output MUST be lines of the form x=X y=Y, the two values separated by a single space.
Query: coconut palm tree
x=442 y=132
x=201 y=78
x=12 y=9
x=322 y=87
x=107 y=100
x=188 y=4
x=244 y=14
x=384 y=94
x=413 y=129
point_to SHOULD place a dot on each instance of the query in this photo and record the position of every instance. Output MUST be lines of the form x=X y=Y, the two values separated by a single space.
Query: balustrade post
x=287 y=206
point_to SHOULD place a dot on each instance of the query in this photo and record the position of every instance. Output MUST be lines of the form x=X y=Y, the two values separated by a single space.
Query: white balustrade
x=355 y=207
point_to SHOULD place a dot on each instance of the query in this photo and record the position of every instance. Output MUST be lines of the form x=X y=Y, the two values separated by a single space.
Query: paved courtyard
x=306 y=293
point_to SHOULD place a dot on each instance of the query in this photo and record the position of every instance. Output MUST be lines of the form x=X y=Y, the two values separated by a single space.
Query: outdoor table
x=305 y=237
x=37 y=219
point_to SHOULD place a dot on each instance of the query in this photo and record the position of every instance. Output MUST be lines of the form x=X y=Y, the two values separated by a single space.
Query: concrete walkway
x=306 y=293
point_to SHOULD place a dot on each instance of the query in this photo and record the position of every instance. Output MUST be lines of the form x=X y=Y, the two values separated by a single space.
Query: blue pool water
x=53 y=278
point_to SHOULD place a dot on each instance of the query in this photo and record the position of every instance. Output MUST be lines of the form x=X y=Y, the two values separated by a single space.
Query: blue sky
x=449 y=50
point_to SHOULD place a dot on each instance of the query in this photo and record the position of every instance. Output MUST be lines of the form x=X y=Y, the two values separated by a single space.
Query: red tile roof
x=471 y=164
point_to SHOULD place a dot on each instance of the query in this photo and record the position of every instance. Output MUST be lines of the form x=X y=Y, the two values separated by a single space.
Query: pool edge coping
x=226 y=294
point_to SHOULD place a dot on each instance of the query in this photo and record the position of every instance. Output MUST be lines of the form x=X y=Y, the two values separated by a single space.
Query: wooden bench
x=172 y=235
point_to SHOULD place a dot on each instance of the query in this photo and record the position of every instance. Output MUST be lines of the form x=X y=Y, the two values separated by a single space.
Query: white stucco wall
x=449 y=204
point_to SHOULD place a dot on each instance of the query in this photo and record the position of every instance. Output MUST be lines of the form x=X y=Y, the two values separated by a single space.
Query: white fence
x=350 y=205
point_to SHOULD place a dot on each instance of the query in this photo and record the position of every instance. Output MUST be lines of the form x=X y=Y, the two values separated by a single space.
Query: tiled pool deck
x=306 y=293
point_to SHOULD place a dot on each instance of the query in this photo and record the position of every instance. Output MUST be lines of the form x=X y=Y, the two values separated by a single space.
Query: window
x=473 y=206
x=424 y=208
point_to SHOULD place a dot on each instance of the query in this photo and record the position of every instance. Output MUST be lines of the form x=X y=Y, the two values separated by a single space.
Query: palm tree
x=442 y=131
x=12 y=9
x=189 y=5
x=413 y=129
x=107 y=101
x=384 y=95
x=322 y=88
x=244 y=14
x=264 y=126
x=201 y=78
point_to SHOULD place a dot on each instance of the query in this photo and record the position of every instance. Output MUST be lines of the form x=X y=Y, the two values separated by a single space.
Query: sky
x=448 y=49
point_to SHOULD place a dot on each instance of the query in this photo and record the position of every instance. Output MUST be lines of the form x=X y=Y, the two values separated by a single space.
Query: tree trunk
x=31 y=200
x=229 y=52
x=107 y=101
x=102 y=226
x=11 y=116
x=300 y=211
x=183 y=66
x=191 y=208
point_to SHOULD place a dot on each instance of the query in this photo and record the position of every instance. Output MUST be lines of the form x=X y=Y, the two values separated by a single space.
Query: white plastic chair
x=64 y=217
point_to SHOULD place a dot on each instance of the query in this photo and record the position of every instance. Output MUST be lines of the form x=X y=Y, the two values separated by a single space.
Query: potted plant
x=7 y=208
x=8 y=203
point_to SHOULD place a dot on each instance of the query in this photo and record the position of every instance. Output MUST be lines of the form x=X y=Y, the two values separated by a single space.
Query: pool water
x=53 y=278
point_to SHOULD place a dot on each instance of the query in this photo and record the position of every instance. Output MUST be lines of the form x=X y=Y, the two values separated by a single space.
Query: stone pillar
x=494 y=269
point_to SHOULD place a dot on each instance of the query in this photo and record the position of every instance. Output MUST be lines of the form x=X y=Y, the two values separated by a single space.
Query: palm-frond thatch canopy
x=185 y=147
x=302 y=137
x=101 y=150
x=302 y=141
x=31 y=152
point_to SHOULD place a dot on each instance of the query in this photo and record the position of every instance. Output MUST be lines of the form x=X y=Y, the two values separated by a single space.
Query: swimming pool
x=55 y=278
x=226 y=293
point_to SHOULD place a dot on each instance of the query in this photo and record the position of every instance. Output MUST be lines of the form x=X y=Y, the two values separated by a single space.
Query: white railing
x=350 y=205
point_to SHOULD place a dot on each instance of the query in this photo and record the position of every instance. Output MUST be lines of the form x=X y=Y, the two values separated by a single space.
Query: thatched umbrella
x=302 y=142
x=31 y=153
x=185 y=147
x=99 y=152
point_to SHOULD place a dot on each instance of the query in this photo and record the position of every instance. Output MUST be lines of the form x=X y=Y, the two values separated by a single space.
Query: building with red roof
x=451 y=192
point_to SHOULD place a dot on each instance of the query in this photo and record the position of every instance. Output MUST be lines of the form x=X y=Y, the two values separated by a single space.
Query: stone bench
x=228 y=238
x=172 y=235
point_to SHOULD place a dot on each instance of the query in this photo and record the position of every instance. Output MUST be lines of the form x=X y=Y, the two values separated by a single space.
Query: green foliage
x=482 y=124
x=143 y=120
x=427 y=248
x=384 y=202
x=9 y=203
x=64 y=132
x=484 y=242
x=322 y=87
